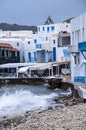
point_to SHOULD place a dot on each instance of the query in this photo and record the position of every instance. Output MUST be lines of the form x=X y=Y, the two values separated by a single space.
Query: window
x=78 y=35
x=38 y=46
x=28 y=42
x=34 y=56
x=17 y=44
x=2 y=52
x=75 y=59
x=46 y=38
x=38 y=29
x=52 y=28
x=48 y=29
x=7 y=53
x=43 y=29
x=73 y=37
x=29 y=56
x=53 y=41
x=83 y=33
x=35 y=40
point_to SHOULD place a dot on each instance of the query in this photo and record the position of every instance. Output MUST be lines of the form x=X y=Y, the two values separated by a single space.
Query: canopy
x=41 y=66
x=23 y=69
x=15 y=65
x=83 y=62
x=82 y=92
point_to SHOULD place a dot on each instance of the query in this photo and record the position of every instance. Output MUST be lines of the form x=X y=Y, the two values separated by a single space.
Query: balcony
x=81 y=79
x=73 y=48
x=82 y=46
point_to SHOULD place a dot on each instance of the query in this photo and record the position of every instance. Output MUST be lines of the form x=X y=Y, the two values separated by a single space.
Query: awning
x=45 y=67
x=16 y=65
x=40 y=66
x=23 y=69
x=83 y=62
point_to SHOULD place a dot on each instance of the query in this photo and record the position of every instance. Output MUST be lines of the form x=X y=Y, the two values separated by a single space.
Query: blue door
x=34 y=56
x=29 y=57
x=54 y=53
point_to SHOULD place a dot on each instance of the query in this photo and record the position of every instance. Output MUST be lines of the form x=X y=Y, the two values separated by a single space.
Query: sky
x=35 y=12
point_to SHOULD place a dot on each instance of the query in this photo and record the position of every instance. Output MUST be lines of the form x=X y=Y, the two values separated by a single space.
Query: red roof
x=5 y=45
x=14 y=49
x=8 y=46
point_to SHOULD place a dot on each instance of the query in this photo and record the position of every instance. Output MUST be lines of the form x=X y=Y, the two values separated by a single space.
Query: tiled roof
x=5 y=45
x=14 y=49
x=8 y=46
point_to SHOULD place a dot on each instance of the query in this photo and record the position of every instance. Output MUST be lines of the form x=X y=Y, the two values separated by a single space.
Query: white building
x=16 y=43
x=16 y=39
x=78 y=48
x=50 y=35
x=16 y=34
x=49 y=44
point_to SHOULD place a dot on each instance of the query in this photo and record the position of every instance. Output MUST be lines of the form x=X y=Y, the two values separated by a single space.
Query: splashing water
x=17 y=99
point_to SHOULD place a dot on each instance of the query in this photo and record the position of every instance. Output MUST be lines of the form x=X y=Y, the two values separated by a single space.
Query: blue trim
x=81 y=79
x=35 y=40
x=29 y=57
x=38 y=29
x=38 y=46
x=52 y=28
x=48 y=29
x=82 y=46
x=83 y=55
x=34 y=56
x=54 y=53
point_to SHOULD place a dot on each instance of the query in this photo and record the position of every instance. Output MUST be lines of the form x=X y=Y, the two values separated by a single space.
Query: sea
x=15 y=99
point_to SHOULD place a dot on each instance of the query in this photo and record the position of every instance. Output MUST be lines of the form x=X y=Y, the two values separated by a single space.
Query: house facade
x=8 y=54
x=16 y=43
x=16 y=39
x=50 y=35
x=78 y=48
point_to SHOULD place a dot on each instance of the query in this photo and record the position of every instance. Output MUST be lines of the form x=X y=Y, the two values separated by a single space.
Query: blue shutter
x=34 y=56
x=54 y=53
x=29 y=57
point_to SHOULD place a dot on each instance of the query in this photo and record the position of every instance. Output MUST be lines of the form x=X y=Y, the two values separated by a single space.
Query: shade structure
x=23 y=69
x=40 y=66
x=83 y=62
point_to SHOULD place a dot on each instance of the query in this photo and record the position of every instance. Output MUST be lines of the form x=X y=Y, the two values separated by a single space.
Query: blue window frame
x=38 y=46
x=43 y=28
x=54 y=53
x=82 y=46
x=29 y=56
x=48 y=29
x=35 y=40
x=52 y=28
x=34 y=56
x=38 y=29
x=46 y=38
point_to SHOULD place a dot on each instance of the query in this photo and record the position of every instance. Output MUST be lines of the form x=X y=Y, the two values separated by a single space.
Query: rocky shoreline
x=71 y=115
x=68 y=117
